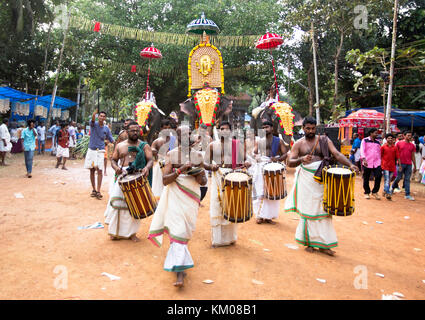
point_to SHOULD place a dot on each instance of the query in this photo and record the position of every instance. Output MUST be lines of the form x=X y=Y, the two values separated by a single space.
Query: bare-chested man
x=315 y=229
x=121 y=224
x=203 y=139
x=157 y=185
x=275 y=151
x=179 y=203
x=226 y=153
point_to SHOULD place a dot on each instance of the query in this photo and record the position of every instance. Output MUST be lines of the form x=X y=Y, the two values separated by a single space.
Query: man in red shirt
x=62 y=151
x=407 y=156
x=389 y=157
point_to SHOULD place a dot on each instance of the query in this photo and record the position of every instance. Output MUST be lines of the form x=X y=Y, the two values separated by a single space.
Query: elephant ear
x=256 y=112
x=187 y=107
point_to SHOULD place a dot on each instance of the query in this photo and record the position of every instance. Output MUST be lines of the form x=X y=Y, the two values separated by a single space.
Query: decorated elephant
x=149 y=118
x=280 y=114
x=206 y=106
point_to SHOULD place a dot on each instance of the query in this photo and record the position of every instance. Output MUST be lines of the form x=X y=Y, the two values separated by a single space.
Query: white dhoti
x=315 y=228
x=176 y=215
x=223 y=232
x=262 y=207
x=157 y=185
x=121 y=224
x=266 y=209
x=94 y=159
x=62 y=152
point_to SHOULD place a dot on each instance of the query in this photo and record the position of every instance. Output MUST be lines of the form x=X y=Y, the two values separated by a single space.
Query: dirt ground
x=44 y=255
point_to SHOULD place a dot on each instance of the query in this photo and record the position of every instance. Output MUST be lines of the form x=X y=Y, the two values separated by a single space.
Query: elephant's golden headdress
x=286 y=118
x=205 y=65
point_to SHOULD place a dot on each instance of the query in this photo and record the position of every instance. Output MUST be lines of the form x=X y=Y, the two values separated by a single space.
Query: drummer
x=139 y=154
x=223 y=232
x=157 y=185
x=275 y=151
x=315 y=229
x=178 y=207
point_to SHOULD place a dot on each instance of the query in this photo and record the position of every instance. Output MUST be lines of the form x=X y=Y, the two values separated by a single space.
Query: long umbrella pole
x=147 y=82
x=275 y=79
x=390 y=87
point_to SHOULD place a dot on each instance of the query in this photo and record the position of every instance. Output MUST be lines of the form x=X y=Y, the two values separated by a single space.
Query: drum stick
x=315 y=145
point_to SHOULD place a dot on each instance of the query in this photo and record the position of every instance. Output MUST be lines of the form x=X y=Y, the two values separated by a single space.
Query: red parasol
x=150 y=53
x=364 y=118
x=270 y=41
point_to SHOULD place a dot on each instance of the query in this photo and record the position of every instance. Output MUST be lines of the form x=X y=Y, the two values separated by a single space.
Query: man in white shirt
x=5 y=145
x=72 y=130
x=41 y=138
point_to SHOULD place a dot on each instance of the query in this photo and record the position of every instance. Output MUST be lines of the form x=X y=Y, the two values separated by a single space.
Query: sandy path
x=39 y=233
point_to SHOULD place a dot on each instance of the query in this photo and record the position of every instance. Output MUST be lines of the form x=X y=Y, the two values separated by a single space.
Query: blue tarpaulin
x=18 y=96
x=404 y=118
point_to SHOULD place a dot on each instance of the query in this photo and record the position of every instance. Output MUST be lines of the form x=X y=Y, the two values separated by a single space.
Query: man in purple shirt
x=94 y=161
x=370 y=156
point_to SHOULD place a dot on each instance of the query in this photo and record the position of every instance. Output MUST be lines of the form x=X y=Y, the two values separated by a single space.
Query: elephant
x=261 y=114
x=153 y=126
x=188 y=107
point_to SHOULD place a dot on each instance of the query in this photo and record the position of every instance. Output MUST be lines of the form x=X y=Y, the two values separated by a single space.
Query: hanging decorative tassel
x=133 y=68
x=350 y=133
x=96 y=27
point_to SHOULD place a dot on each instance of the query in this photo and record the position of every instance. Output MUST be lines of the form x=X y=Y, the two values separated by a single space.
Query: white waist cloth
x=223 y=232
x=157 y=185
x=177 y=211
x=62 y=152
x=263 y=208
x=120 y=223
x=94 y=159
x=5 y=148
x=178 y=258
x=315 y=228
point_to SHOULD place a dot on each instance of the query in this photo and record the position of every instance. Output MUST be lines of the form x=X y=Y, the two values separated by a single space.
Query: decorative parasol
x=364 y=118
x=270 y=41
x=199 y=26
x=150 y=53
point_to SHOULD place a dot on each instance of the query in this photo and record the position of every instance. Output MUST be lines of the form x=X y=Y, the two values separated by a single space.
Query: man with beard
x=222 y=154
x=157 y=185
x=276 y=151
x=179 y=204
x=315 y=229
x=121 y=224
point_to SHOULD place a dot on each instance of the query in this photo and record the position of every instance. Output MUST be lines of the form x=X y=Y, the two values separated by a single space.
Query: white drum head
x=339 y=171
x=273 y=166
x=236 y=177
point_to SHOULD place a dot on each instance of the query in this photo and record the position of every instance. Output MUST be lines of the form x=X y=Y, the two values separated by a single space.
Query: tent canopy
x=61 y=103
x=14 y=95
x=18 y=96
x=404 y=117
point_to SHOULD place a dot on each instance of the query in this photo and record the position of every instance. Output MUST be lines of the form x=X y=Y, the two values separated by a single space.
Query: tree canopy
x=350 y=58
